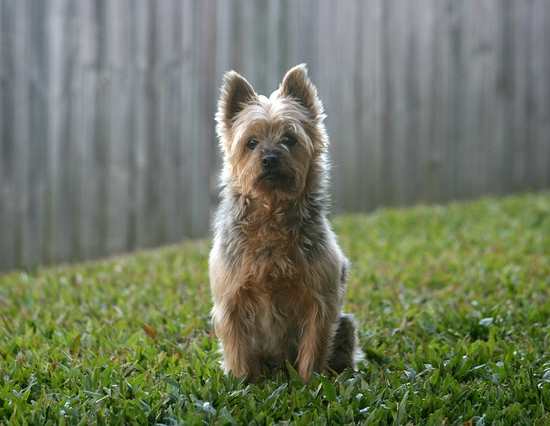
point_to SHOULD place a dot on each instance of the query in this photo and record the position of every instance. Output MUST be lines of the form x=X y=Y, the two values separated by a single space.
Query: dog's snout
x=270 y=161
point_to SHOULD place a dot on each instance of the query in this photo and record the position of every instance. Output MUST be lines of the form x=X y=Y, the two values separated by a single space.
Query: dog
x=277 y=274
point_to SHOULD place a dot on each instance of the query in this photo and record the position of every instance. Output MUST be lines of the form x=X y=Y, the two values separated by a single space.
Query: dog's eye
x=288 y=140
x=251 y=144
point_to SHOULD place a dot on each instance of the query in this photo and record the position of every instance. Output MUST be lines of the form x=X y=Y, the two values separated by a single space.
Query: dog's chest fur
x=270 y=247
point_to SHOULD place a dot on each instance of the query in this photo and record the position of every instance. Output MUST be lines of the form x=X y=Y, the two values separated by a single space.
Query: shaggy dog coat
x=277 y=274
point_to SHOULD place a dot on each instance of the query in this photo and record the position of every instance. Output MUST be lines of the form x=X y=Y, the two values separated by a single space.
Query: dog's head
x=271 y=145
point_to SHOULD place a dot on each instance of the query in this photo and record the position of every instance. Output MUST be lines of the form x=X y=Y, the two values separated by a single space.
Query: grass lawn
x=454 y=311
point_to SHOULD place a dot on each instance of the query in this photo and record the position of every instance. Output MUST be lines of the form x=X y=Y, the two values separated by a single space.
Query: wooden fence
x=106 y=108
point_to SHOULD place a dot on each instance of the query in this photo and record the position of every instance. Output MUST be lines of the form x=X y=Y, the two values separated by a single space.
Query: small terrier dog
x=277 y=274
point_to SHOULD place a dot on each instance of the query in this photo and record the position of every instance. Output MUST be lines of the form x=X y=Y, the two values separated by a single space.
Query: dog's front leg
x=314 y=342
x=233 y=328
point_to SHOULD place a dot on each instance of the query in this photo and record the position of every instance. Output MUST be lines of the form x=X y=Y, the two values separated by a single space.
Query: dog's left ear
x=236 y=93
x=296 y=84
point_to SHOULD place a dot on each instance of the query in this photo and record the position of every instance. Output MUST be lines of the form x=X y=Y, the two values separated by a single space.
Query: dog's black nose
x=270 y=161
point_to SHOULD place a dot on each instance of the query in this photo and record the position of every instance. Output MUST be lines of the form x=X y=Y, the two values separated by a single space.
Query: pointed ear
x=236 y=92
x=296 y=84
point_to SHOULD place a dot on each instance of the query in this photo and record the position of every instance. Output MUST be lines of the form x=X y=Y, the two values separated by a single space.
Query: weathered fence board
x=107 y=139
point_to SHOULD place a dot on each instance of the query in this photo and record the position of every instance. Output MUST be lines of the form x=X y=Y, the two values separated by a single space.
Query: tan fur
x=276 y=270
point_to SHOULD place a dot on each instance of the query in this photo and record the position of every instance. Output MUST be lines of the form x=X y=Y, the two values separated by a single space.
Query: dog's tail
x=345 y=346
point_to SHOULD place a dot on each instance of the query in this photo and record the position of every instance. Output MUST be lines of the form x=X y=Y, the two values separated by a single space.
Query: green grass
x=454 y=311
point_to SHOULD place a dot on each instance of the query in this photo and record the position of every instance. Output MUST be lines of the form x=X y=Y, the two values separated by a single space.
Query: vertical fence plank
x=187 y=122
x=38 y=128
x=66 y=169
x=161 y=72
x=225 y=61
x=518 y=118
x=102 y=122
x=284 y=38
x=529 y=102
x=273 y=59
x=368 y=116
x=132 y=134
x=3 y=168
x=84 y=131
x=400 y=72
x=50 y=238
x=71 y=152
x=307 y=47
x=460 y=119
x=436 y=178
x=7 y=157
x=138 y=236
x=541 y=69
x=387 y=83
x=541 y=58
x=21 y=52
x=247 y=64
x=425 y=25
x=259 y=53
x=175 y=68
x=194 y=152
x=488 y=52
x=153 y=188
x=544 y=131
x=116 y=72
x=202 y=111
x=506 y=92
x=207 y=94
x=466 y=99
x=345 y=142
x=329 y=90
x=360 y=111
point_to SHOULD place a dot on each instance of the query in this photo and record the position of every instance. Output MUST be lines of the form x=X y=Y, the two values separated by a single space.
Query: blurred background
x=107 y=139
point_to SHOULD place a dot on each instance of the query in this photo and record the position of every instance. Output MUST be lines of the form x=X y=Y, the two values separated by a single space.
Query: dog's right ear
x=236 y=92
